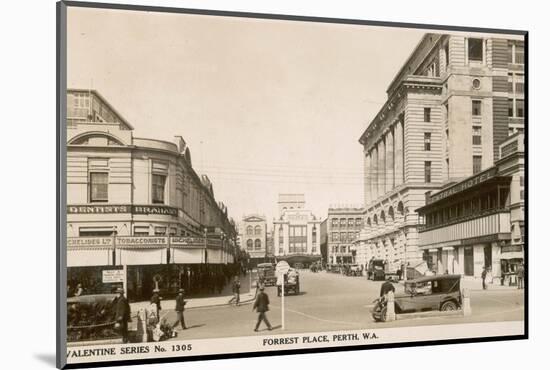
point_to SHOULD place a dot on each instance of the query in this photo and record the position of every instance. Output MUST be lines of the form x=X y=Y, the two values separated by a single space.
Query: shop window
x=99 y=186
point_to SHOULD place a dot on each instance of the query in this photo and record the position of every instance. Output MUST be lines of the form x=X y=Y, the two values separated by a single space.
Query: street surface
x=331 y=301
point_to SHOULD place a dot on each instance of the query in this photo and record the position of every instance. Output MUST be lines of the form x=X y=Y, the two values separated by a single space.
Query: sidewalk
x=248 y=295
x=475 y=284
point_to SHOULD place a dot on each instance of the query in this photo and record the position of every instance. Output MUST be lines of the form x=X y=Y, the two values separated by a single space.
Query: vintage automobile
x=354 y=270
x=266 y=273
x=292 y=283
x=375 y=270
x=91 y=317
x=428 y=293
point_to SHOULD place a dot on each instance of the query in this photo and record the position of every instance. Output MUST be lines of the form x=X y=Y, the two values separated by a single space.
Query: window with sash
x=99 y=187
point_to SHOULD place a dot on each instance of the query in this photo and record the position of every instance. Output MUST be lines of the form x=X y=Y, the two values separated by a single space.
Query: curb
x=420 y=315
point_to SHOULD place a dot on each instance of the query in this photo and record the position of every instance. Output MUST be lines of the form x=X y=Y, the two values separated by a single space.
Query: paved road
x=335 y=302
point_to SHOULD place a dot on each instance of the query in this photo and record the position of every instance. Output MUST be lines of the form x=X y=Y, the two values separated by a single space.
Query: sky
x=266 y=106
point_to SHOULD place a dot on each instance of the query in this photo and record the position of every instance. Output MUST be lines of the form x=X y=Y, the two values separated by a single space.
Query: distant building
x=324 y=241
x=344 y=224
x=297 y=232
x=478 y=222
x=253 y=229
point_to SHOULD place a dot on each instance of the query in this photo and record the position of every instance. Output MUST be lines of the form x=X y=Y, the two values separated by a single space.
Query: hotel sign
x=122 y=208
x=472 y=181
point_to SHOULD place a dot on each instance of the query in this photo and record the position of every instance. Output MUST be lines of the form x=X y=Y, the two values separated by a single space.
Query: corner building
x=448 y=108
x=138 y=204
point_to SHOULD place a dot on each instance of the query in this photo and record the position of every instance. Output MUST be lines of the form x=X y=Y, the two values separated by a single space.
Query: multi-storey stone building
x=253 y=235
x=344 y=224
x=478 y=223
x=296 y=234
x=448 y=108
x=137 y=203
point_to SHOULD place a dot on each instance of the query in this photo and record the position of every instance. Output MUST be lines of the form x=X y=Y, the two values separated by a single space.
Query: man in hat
x=155 y=299
x=122 y=309
x=262 y=306
x=180 y=307
x=236 y=291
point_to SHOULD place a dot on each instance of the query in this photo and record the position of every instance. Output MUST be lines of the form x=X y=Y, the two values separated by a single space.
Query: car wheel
x=449 y=306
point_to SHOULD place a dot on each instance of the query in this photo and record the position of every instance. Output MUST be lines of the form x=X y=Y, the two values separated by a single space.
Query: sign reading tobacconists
x=141 y=241
x=121 y=208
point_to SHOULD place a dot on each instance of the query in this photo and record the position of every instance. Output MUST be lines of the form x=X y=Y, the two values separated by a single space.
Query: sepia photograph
x=238 y=184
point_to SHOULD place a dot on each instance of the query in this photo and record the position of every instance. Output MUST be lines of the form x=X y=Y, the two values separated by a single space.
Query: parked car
x=292 y=283
x=375 y=270
x=266 y=273
x=354 y=270
x=429 y=293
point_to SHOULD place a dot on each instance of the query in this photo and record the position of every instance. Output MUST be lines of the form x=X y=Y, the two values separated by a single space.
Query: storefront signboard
x=113 y=276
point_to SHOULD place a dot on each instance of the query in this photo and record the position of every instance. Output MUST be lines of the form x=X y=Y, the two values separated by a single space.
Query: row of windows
x=254 y=230
x=340 y=249
x=344 y=237
x=256 y=244
x=313 y=250
x=495 y=199
x=346 y=222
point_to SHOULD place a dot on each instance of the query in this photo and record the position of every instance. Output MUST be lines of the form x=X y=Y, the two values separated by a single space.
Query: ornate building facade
x=450 y=105
x=137 y=203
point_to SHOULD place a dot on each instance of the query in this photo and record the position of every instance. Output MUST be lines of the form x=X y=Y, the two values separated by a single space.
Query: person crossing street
x=261 y=305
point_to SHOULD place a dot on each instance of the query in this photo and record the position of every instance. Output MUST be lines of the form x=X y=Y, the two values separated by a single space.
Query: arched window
x=390 y=213
x=249 y=230
x=400 y=209
x=368 y=221
x=375 y=219
x=383 y=216
x=258 y=230
x=257 y=244
x=249 y=244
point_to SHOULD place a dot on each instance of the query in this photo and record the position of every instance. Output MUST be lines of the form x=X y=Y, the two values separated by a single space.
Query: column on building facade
x=381 y=167
x=390 y=170
x=398 y=161
x=368 y=178
x=374 y=173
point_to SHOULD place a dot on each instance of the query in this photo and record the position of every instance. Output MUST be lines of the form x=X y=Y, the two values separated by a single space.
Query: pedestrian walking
x=483 y=277
x=180 y=308
x=386 y=287
x=261 y=305
x=236 y=291
x=122 y=309
x=521 y=274
x=155 y=299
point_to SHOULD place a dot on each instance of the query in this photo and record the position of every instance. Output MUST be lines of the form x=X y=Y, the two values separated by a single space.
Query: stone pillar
x=374 y=173
x=390 y=170
x=368 y=178
x=398 y=150
x=381 y=168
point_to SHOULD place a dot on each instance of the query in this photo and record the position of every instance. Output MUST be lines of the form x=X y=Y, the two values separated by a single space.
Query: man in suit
x=122 y=308
x=386 y=288
x=180 y=307
x=262 y=306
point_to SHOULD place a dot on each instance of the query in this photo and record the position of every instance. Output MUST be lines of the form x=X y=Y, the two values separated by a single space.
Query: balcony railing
x=468 y=227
